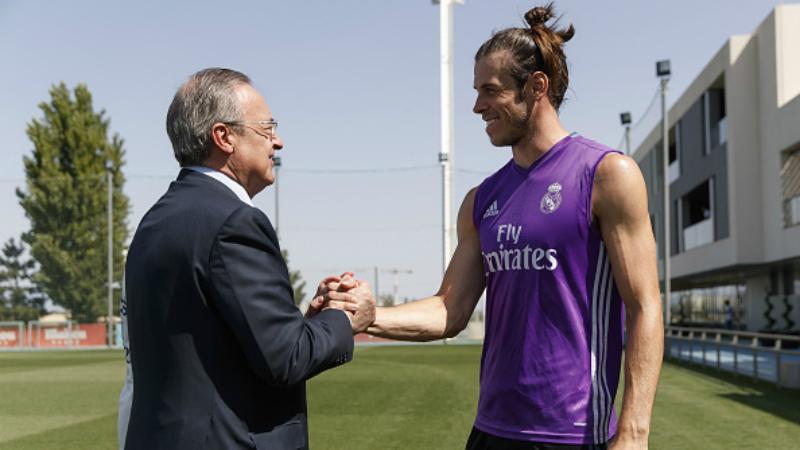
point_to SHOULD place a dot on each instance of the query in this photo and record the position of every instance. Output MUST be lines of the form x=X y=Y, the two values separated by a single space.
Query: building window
x=796 y=281
x=790 y=177
x=716 y=122
x=716 y=307
x=674 y=153
x=697 y=216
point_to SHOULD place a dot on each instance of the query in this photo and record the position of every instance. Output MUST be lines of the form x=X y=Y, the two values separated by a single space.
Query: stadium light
x=663 y=72
x=110 y=212
x=663 y=68
x=276 y=162
x=625 y=119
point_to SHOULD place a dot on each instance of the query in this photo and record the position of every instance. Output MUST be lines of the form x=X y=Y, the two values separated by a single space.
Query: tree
x=296 y=279
x=386 y=300
x=66 y=201
x=19 y=297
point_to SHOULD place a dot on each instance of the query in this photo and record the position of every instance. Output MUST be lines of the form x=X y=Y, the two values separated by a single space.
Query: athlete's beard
x=519 y=127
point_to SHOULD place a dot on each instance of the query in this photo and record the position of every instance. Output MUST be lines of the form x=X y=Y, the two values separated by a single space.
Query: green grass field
x=416 y=397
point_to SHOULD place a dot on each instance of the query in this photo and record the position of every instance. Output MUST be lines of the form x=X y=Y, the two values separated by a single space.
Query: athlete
x=560 y=238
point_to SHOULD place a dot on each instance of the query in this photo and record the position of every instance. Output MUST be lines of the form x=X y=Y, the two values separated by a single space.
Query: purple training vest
x=554 y=319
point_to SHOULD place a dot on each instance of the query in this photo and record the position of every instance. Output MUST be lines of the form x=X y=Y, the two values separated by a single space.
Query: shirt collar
x=224 y=179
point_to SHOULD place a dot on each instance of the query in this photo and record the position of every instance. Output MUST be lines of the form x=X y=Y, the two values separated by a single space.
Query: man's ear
x=536 y=86
x=224 y=138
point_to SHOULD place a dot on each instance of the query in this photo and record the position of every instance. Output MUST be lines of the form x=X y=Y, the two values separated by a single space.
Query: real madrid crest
x=552 y=199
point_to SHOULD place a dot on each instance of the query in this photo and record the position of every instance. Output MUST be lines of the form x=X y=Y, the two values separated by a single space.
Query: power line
x=318 y=171
x=647 y=110
x=362 y=171
x=478 y=172
x=55 y=178
x=641 y=118
x=362 y=229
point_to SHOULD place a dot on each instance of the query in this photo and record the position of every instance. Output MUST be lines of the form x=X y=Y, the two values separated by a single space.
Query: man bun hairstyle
x=208 y=97
x=539 y=47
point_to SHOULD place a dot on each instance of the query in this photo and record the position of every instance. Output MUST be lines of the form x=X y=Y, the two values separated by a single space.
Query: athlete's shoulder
x=618 y=185
x=617 y=167
x=591 y=145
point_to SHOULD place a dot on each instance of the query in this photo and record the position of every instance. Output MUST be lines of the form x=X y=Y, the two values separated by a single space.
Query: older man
x=219 y=351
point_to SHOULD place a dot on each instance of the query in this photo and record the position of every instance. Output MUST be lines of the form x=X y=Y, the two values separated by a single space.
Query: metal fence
x=55 y=335
x=12 y=335
x=771 y=357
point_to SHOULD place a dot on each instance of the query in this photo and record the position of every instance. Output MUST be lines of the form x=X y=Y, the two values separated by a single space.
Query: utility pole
x=625 y=119
x=663 y=72
x=446 y=157
x=396 y=281
x=375 y=274
x=110 y=207
x=276 y=161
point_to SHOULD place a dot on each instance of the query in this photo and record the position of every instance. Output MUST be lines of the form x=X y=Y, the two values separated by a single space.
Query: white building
x=735 y=182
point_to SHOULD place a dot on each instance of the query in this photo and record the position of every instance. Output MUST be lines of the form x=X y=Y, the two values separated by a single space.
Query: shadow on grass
x=761 y=395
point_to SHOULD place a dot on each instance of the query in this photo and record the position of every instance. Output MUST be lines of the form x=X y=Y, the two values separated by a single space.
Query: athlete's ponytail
x=539 y=47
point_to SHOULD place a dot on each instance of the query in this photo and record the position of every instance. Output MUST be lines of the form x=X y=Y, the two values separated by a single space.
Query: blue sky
x=354 y=85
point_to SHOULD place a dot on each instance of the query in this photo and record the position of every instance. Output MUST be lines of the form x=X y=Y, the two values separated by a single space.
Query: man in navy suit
x=219 y=352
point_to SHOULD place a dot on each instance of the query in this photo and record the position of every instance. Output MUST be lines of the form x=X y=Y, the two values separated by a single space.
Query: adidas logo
x=491 y=210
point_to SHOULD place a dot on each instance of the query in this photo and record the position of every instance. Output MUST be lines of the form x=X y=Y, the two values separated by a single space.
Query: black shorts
x=478 y=440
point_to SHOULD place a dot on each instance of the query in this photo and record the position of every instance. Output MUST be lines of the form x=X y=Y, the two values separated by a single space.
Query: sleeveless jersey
x=554 y=319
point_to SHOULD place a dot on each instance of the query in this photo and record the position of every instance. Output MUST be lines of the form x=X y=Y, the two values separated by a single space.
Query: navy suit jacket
x=220 y=353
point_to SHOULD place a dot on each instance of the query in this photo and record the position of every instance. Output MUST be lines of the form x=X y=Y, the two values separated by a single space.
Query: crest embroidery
x=551 y=199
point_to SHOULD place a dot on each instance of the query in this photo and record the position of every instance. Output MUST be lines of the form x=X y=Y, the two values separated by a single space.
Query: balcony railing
x=674 y=171
x=698 y=234
x=769 y=357
x=794 y=210
x=722 y=127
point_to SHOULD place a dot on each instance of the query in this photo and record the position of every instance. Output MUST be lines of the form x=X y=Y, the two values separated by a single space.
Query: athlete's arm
x=447 y=312
x=619 y=202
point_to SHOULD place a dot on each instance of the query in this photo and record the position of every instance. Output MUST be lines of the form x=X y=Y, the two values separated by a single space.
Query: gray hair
x=207 y=98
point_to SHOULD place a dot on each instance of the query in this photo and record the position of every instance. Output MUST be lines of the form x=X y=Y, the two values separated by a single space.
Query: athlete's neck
x=543 y=134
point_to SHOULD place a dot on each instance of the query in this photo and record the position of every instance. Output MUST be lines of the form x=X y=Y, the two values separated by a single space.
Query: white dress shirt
x=226 y=180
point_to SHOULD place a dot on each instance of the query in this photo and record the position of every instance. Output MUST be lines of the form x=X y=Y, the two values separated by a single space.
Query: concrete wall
x=787 y=54
x=762 y=94
x=744 y=150
x=755 y=304
x=780 y=124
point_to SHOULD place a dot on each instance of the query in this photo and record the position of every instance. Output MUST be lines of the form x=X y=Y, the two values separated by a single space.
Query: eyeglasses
x=271 y=129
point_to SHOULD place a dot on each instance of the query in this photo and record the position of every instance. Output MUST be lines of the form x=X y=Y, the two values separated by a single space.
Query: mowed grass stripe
x=26 y=361
x=42 y=392
x=421 y=397
x=396 y=397
x=86 y=435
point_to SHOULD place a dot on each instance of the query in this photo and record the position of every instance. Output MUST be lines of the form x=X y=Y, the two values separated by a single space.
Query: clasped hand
x=345 y=293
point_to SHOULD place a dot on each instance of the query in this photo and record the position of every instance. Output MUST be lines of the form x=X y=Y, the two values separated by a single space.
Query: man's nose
x=479 y=107
x=277 y=142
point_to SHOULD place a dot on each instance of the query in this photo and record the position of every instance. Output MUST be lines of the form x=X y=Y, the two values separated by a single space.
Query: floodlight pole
x=663 y=72
x=276 y=161
x=376 y=287
x=396 y=281
x=627 y=139
x=110 y=316
x=446 y=158
x=625 y=119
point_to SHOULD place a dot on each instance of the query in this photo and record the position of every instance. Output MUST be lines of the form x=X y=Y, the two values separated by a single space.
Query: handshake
x=347 y=294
